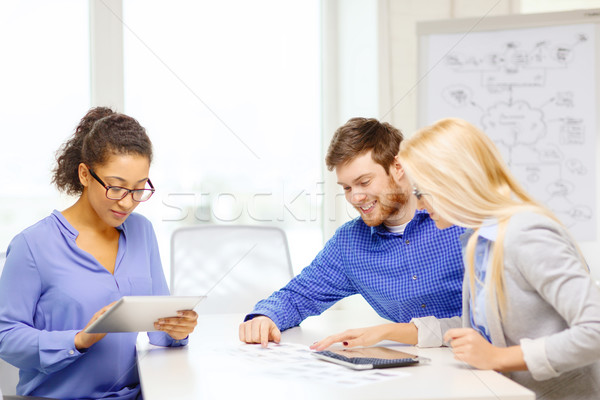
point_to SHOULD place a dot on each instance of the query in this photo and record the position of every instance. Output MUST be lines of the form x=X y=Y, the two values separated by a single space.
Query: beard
x=390 y=205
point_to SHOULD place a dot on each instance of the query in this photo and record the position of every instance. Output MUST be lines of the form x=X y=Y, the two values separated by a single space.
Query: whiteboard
x=533 y=90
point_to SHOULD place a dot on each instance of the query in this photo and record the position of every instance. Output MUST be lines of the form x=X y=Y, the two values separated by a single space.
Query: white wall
x=403 y=18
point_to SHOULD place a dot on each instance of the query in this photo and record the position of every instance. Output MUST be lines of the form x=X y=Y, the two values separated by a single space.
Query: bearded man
x=393 y=254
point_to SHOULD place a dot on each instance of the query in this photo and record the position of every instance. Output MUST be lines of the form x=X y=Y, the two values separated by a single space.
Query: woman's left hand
x=178 y=327
x=470 y=347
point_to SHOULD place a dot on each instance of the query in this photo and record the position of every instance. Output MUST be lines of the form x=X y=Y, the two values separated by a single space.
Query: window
x=44 y=79
x=229 y=92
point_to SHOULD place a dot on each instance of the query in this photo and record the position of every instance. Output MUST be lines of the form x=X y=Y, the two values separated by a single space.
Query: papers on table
x=295 y=361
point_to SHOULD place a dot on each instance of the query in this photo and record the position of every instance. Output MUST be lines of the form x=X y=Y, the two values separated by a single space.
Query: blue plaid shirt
x=416 y=274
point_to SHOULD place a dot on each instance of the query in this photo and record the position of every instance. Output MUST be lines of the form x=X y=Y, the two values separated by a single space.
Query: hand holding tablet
x=139 y=313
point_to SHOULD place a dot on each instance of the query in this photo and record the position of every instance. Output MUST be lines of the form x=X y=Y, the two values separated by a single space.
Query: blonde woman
x=530 y=307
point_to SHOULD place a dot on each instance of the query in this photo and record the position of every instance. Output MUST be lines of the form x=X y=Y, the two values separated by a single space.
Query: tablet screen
x=368 y=357
x=138 y=313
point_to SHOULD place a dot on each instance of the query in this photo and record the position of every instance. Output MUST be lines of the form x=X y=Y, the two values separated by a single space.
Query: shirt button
x=414 y=277
x=422 y=305
x=71 y=352
x=407 y=241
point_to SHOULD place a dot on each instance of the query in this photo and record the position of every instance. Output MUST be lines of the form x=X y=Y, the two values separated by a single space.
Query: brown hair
x=100 y=134
x=359 y=135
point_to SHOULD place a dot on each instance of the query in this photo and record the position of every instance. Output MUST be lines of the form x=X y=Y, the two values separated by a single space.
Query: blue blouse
x=483 y=249
x=50 y=289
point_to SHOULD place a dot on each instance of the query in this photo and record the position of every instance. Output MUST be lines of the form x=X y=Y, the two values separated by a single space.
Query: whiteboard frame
x=496 y=23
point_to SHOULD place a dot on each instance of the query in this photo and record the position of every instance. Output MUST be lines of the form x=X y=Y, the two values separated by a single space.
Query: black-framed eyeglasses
x=119 y=193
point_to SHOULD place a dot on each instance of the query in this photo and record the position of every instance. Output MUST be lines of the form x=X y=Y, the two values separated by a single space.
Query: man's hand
x=261 y=330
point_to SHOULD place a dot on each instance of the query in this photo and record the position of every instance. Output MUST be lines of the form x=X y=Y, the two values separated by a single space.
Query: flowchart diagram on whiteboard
x=533 y=92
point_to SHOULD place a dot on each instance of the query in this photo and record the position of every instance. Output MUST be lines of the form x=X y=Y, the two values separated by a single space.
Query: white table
x=213 y=366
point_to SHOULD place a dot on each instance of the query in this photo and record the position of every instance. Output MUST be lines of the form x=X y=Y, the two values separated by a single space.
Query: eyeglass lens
x=117 y=193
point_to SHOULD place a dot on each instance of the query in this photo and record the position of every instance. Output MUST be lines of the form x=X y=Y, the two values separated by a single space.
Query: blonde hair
x=463 y=171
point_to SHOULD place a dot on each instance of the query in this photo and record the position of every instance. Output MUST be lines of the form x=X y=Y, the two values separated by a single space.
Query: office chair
x=9 y=375
x=235 y=266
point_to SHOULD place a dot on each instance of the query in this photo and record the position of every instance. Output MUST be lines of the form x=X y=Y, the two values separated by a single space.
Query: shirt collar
x=382 y=230
x=488 y=231
x=63 y=221
x=123 y=227
x=74 y=232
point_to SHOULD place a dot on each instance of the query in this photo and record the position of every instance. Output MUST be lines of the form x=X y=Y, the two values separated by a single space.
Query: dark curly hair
x=359 y=135
x=100 y=134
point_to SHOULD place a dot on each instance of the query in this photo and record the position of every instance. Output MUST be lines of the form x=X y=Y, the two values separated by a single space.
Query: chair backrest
x=9 y=375
x=236 y=266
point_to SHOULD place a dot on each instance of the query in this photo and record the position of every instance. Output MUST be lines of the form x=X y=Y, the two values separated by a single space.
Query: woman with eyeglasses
x=65 y=271
x=530 y=307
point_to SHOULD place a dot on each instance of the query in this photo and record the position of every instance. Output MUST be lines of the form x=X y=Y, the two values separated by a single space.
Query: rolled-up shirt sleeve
x=534 y=354
x=431 y=330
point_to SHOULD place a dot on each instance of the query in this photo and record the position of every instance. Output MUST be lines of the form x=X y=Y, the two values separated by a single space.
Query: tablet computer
x=368 y=357
x=138 y=313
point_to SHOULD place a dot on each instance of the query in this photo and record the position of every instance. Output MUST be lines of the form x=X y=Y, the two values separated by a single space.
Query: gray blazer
x=553 y=311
